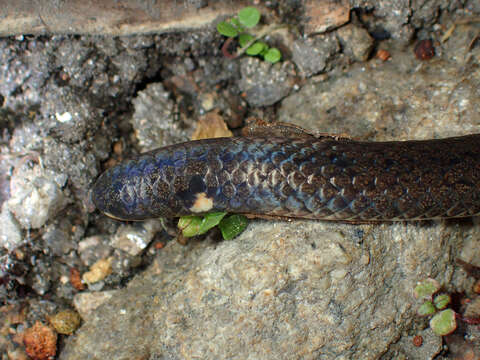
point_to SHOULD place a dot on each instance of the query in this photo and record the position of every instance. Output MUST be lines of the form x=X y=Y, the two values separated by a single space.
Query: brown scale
x=228 y=190
x=308 y=188
x=180 y=184
x=223 y=177
x=169 y=174
x=295 y=179
x=238 y=176
x=211 y=180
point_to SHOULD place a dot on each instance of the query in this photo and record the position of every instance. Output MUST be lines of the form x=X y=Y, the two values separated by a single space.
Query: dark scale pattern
x=318 y=178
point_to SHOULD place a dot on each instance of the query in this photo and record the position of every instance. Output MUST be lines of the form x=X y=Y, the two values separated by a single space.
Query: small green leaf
x=249 y=16
x=232 y=226
x=209 y=221
x=243 y=39
x=237 y=24
x=193 y=225
x=441 y=301
x=426 y=308
x=273 y=55
x=227 y=29
x=255 y=48
x=426 y=289
x=189 y=225
x=444 y=322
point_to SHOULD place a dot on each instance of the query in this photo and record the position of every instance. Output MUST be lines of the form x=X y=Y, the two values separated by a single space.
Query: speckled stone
x=37 y=196
x=395 y=100
x=263 y=83
x=313 y=55
x=133 y=239
x=10 y=231
x=154 y=118
x=316 y=289
x=356 y=42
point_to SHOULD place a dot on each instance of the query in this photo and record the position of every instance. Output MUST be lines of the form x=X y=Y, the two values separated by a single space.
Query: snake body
x=305 y=177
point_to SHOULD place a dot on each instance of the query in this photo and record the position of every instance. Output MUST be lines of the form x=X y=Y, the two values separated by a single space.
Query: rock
x=387 y=103
x=324 y=15
x=154 y=120
x=10 y=232
x=356 y=42
x=41 y=279
x=98 y=271
x=61 y=237
x=392 y=19
x=207 y=101
x=312 y=55
x=40 y=341
x=133 y=239
x=65 y=321
x=36 y=196
x=86 y=302
x=263 y=83
x=431 y=346
x=93 y=248
x=70 y=116
x=315 y=289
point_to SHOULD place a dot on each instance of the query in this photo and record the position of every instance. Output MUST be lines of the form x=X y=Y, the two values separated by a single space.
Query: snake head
x=134 y=190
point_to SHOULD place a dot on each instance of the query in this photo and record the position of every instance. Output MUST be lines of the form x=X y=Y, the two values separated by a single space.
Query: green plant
x=443 y=321
x=230 y=226
x=247 y=18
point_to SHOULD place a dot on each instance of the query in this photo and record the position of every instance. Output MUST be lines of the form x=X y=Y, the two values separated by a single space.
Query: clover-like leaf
x=249 y=16
x=443 y=323
x=189 y=225
x=244 y=38
x=426 y=288
x=209 y=221
x=256 y=48
x=273 y=55
x=193 y=225
x=232 y=226
x=441 y=301
x=427 y=308
x=227 y=29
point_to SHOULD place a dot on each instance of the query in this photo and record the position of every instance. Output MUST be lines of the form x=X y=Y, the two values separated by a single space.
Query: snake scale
x=299 y=176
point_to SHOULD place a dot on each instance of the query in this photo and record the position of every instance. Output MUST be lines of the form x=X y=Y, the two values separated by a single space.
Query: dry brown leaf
x=211 y=125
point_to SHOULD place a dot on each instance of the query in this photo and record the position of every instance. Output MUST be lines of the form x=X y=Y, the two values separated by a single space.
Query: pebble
x=313 y=55
x=10 y=232
x=98 y=271
x=86 y=302
x=65 y=321
x=36 y=197
x=356 y=41
x=263 y=83
x=133 y=239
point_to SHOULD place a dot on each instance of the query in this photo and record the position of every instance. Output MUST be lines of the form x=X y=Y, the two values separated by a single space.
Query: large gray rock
x=397 y=100
x=312 y=290
x=263 y=83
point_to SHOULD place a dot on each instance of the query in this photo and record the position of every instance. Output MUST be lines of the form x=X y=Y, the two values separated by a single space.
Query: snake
x=298 y=176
